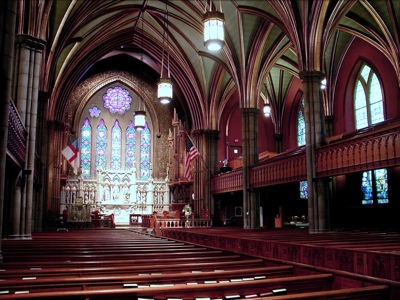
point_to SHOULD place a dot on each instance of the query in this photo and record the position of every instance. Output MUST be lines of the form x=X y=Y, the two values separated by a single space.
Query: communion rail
x=178 y=223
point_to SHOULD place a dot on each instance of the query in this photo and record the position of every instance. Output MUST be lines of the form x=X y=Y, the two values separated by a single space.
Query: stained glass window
x=381 y=185
x=374 y=187
x=101 y=145
x=301 y=126
x=366 y=187
x=145 y=153
x=94 y=111
x=116 y=146
x=130 y=146
x=303 y=189
x=86 y=146
x=368 y=99
x=110 y=142
x=117 y=100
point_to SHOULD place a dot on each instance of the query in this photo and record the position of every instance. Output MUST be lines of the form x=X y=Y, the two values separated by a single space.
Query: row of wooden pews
x=121 y=264
x=372 y=254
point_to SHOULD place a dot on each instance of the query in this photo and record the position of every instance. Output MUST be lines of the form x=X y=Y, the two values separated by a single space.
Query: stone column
x=329 y=125
x=8 y=13
x=205 y=166
x=54 y=167
x=278 y=142
x=251 y=198
x=16 y=211
x=29 y=57
x=315 y=137
x=42 y=143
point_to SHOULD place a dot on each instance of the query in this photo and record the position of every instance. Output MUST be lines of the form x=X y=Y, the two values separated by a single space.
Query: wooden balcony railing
x=370 y=148
x=227 y=182
x=17 y=135
x=287 y=167
x=374 y=148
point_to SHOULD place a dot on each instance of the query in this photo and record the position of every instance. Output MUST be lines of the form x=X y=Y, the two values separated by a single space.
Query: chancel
x=200 y=149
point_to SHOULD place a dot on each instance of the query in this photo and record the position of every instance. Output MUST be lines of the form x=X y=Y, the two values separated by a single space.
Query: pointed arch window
x=116 y=146
x=86 y=146
x=145 y=153
x=130 y=146
x=368 y=98
x=301 y=125
x=109 y=142
x=101 y=145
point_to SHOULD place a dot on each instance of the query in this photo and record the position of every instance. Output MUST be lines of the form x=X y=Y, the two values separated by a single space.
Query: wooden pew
x=297 y=284
x=376 y=292
x=96 y=270
x=207 y=257
x=115 y=265
x=365 y=293
x=118 y=281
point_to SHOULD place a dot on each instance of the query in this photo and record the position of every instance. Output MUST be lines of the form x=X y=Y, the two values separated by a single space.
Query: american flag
x=191 y=154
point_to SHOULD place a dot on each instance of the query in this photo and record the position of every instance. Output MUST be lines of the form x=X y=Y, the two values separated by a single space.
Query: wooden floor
x=131 y=263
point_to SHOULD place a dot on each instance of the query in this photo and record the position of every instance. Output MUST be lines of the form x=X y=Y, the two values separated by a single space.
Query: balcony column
x=8 y=13
x=315 y=137
x=278 y=142
x=251 y=198
x=206 y=166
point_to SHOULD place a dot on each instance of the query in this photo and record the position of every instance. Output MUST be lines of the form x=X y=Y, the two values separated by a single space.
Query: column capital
x=198 y=132
x=308 y=75
x=209 y=133
x=249 y=110
x=30 y=41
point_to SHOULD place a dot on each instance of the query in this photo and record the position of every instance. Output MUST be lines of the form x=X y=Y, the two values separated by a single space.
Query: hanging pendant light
x=139 y=120
x=164 y=92
x=139 y=116
x=213 y=22
x=267 y=109
x=267 y=105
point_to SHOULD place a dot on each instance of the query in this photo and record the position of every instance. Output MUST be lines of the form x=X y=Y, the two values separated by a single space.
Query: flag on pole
x=71 y=154
x=191 y=154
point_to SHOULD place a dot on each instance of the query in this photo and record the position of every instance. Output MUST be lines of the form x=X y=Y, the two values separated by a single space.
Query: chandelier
x=267 y=109
x=139 y=116
x=140 y=120
x=267 y=105
x=213 y=22
x=164 y=92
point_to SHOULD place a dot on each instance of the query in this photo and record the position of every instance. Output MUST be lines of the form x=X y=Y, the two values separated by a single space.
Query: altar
x=113 y=192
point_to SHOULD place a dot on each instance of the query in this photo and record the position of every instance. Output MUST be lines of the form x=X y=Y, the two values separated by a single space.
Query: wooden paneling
x=371 y=148
x=363 y=254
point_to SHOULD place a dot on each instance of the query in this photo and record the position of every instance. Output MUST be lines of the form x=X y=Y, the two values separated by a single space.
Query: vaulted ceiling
x=268 y=42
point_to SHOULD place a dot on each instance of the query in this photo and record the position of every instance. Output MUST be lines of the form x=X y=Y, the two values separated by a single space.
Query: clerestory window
x=368 y=99
x=301 y=125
